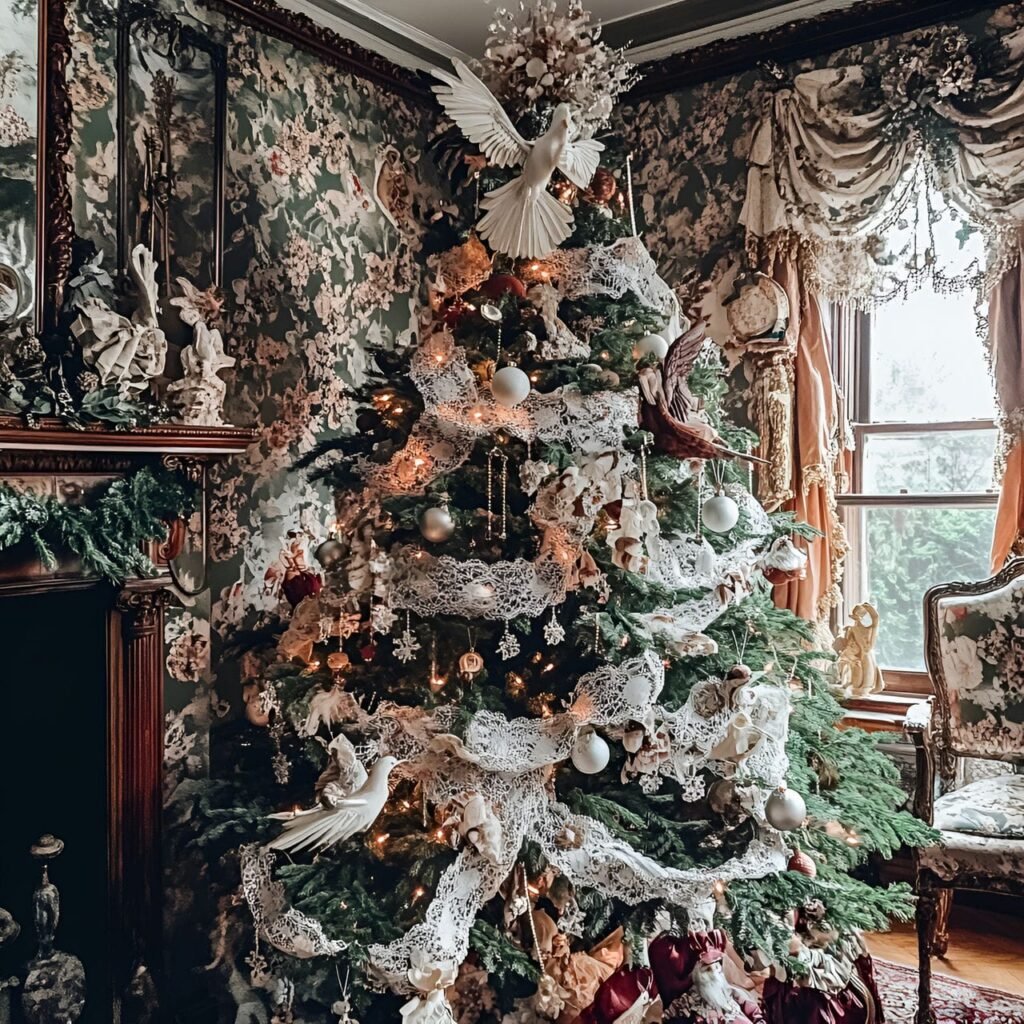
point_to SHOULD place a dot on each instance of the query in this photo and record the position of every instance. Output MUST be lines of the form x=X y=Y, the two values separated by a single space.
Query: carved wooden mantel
x=66 y=463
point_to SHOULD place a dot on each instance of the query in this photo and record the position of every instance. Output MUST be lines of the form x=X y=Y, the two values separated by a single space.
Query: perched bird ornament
x=522 y=218
x=321 y=827
x=671 y=411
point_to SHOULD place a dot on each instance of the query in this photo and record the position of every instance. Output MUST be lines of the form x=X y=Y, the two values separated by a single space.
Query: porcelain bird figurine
x=322 y=827
x=522 y=219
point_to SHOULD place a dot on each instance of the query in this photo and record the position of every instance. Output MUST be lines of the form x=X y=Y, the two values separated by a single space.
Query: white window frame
x=851 y=355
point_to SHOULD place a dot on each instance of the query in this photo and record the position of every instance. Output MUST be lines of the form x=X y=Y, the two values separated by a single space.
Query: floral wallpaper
x=315 y=263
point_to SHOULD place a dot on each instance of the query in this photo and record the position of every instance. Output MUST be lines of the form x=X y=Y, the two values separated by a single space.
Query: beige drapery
x=1006 y=341
x=838 y=157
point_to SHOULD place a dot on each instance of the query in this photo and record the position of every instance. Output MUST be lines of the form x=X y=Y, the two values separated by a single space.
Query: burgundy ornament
x=786 y=1002
x=453 y=313
x=619 y=993
x=299 y=584
x=368 y=651
x=503 y=284
x=602 y=187
x=802 y=863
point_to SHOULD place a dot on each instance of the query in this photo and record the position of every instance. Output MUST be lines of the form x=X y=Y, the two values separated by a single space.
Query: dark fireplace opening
x=53 y=775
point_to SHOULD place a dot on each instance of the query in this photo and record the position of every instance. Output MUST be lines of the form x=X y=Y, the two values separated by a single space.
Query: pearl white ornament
x=510 y=386
x=637 y=690
x=720 y=513
x=436 y=524
x=651 y=344
x=785 y=809
x=590 y=753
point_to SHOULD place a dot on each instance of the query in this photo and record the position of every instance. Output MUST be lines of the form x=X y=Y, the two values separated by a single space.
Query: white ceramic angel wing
x=482 y=119
x=579 y=161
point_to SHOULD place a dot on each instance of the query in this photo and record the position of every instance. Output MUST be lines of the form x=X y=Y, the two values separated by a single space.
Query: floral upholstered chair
x=974 y=726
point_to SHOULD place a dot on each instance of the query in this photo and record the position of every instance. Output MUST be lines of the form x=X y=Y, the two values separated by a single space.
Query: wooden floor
x=985 y=947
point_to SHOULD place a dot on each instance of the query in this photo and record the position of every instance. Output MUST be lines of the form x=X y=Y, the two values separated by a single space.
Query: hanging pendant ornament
x=492 y=314
x=785 y=809
x=508 y=646
x=590 y=753
x=435 y=680
x=408 y=645
x=471 y=664
x=691 y=783
x=510 y=386
x=436 y=524
x=554 y=631
x=497 y=453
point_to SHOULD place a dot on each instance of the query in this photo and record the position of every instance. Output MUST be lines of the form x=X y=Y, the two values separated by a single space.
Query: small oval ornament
x=490 y=312
x=471 y=664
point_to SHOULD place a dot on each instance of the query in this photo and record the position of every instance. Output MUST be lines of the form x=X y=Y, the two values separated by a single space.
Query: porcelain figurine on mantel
x=199 y=395
x=857 y=671
x=126 y=352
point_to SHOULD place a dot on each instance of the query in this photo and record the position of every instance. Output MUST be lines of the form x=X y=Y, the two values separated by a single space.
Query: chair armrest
x=918 y=726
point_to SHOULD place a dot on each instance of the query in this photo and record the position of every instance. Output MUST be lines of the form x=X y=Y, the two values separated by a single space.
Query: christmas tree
x=542 y=747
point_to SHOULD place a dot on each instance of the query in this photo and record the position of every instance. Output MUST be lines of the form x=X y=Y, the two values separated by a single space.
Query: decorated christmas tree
x=538 y=744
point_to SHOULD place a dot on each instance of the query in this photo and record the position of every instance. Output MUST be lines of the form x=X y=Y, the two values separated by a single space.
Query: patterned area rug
x=954 y=1001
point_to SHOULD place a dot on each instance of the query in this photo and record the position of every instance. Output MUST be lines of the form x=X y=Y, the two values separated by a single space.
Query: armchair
x=974 y=649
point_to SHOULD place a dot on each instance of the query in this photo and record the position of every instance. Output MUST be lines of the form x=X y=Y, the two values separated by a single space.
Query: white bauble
x=720 y=513
x=651 y=344
x=510 y=386
x=590 y=753
x=706 y=559
x=785 y=809
x=436 y=524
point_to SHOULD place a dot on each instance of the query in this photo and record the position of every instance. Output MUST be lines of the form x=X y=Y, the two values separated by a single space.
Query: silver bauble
x=651 y=345
x=329 y=552
x=720 y=513
x=437 y=525
x=510 y=386
x=590 y=753
x=722 y=795
x=785 y=809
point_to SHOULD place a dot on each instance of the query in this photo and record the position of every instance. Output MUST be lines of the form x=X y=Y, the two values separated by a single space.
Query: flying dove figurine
x=671 y=411
x=522 y=219
x=321 y=827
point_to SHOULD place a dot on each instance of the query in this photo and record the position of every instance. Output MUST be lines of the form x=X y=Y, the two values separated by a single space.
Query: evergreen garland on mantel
x=106 y=534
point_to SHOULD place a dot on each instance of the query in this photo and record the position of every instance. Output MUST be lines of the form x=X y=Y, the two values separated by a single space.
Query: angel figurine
x=199 y=395
x=857 y=671
x=125 y=352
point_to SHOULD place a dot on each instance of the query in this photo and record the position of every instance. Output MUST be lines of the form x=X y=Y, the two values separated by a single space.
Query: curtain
x=1006 y=342
x=816 y=451
x=843 y=158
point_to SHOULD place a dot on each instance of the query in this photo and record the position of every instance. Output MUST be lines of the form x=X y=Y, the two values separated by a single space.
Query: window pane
x=927 y=361
x=933 y=463
x=906 y=551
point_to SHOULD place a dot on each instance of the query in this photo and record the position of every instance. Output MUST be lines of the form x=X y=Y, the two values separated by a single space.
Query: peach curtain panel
x=817 y=453
x=1006 y=343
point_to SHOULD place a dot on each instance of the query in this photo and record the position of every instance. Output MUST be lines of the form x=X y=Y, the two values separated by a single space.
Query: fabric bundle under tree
x=545 y=747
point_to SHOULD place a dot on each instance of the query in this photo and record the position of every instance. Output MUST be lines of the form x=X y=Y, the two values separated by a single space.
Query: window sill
x=880 y=712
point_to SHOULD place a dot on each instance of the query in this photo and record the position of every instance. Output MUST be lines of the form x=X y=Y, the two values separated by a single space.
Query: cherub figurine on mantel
x=857 y=671
x=199 y=395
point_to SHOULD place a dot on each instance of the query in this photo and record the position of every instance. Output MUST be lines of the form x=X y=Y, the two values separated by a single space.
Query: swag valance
x=843 y=155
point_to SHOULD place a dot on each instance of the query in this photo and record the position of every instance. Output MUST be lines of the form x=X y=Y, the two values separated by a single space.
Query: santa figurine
x=697 y=980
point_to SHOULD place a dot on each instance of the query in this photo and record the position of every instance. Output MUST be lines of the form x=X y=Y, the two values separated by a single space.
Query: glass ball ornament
x=329 y=552
x=590 y=753
x=436 y=524
x=720 y=513
x=651 y=345
x=510 y=386
x=785 y=809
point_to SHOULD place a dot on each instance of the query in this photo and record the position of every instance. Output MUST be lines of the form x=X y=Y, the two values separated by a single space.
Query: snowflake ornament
x=508 y=646
x=554 y=631
x=407 y=646
x=258 y=967
x=383 y=618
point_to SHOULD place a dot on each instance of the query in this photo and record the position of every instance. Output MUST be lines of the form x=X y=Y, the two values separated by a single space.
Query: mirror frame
x=55 y=225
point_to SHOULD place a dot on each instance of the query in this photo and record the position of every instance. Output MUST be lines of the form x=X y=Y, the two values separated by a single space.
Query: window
x=921 y=507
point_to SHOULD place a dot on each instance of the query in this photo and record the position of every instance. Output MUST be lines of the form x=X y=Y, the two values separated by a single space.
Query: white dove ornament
x=522 y=219
x=321 y=827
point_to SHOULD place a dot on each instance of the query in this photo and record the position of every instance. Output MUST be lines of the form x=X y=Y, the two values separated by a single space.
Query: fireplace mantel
x=54 y=459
